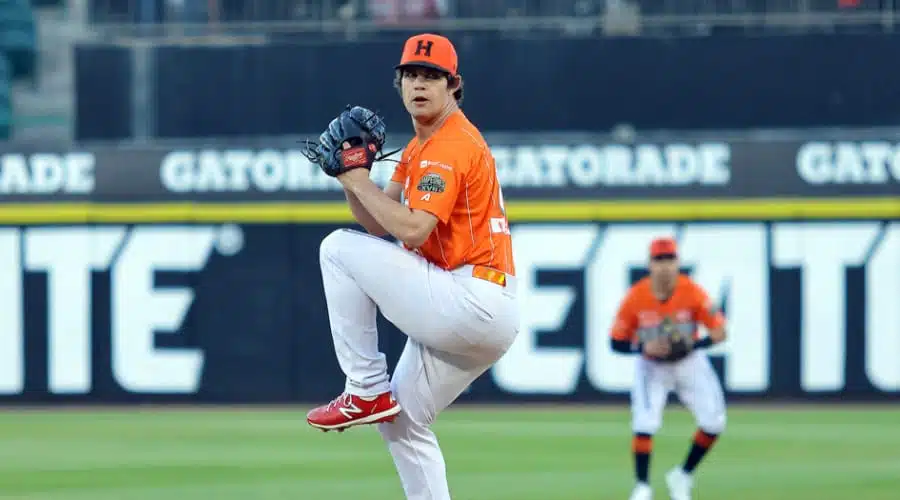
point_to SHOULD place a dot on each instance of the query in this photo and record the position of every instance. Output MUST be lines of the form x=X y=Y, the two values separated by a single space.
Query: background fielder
x=659 y=319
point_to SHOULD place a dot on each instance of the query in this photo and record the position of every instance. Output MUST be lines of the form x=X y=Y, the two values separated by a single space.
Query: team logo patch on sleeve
x=432 y=183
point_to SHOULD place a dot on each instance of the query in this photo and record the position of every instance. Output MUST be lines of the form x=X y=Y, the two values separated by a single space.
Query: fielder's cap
x=430 y=51
x=663 y=247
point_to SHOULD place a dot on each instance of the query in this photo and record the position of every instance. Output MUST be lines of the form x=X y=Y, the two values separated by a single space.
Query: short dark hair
x=451 y=81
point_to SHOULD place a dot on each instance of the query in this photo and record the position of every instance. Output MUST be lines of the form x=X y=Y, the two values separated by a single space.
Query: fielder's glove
x=352 y=140
x=680 y=345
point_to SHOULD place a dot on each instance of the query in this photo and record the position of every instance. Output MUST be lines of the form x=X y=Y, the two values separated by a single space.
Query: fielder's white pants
x=457 y=327
x=694 y=382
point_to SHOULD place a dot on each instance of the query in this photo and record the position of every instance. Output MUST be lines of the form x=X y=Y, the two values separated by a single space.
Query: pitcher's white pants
x=694 y=382
x=457 y=327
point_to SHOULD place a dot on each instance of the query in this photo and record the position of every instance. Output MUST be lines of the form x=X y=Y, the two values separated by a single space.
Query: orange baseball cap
x=663 y=247
x=431 y=51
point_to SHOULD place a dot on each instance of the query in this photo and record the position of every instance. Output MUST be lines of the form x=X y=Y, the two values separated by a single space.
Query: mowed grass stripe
x=527 y=455
x=291 y=417
x=735 y=479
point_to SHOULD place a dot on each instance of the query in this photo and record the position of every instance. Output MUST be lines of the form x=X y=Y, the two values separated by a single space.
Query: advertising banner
x=228 y=313
x=540 y=167
x=189 y=272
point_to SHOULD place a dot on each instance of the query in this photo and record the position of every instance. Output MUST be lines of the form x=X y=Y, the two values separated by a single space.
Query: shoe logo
x=350 y=410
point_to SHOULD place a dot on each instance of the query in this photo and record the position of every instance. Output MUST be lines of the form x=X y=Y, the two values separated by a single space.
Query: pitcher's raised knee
x=335 y=243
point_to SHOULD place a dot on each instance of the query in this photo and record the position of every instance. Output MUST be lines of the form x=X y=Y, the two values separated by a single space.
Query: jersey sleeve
x=625 y=324
x=437 y=189
x=706 y=311
x=399 y=173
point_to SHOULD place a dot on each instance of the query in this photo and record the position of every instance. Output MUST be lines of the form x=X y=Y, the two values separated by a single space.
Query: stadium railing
x=521 y=17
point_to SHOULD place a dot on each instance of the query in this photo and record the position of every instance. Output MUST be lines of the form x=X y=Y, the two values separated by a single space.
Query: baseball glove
x=680 y=345
x=352 y=140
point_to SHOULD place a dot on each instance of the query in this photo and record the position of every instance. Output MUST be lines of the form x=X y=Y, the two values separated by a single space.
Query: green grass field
x=510 y=454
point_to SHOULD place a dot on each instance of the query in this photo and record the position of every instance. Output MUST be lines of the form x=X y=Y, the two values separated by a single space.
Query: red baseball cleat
x=348 y=410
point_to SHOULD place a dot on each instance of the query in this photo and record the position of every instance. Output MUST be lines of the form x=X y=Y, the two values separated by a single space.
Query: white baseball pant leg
x=653 y=382
x=699 y=390
x=457 y=327
x=694 y=382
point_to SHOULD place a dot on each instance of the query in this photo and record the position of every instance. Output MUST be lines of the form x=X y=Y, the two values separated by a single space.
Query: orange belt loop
x=488 y=274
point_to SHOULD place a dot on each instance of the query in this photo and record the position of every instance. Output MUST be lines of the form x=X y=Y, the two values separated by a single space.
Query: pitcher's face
x=425 y=92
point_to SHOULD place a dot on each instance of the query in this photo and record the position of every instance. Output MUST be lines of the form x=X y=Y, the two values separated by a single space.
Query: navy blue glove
x=352 y=140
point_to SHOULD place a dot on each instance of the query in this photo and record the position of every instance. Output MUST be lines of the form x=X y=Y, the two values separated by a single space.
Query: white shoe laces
x=343 y=399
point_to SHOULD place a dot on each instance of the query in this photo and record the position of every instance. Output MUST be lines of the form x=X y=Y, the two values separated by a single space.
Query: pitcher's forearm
x=363 y=216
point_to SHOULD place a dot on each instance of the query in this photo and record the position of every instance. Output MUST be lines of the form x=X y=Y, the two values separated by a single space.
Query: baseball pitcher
x=658 y=320
x=450 y=288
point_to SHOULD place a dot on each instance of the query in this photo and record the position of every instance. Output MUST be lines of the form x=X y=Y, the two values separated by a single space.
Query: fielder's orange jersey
x=452 y=176
x=641 y=313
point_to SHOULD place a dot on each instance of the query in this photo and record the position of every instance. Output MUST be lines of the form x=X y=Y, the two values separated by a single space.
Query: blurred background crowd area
x=38 y=38
x=411 y=11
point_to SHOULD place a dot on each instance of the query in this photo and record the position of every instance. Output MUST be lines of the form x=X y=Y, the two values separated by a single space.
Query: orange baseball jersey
x=452 y=175
x=641 y=313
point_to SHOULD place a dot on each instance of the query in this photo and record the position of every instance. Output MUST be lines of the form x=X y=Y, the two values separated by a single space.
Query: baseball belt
x=488 y=274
